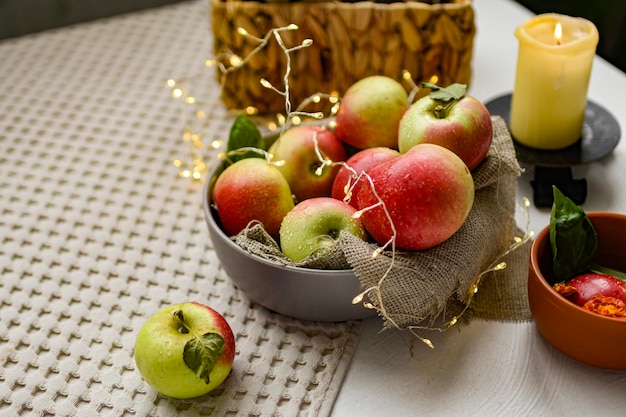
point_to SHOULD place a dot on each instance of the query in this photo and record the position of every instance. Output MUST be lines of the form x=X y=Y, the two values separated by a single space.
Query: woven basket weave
x=350 y=42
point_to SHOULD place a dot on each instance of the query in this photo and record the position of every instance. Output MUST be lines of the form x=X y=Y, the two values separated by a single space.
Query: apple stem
x=178 y=315
x=441 y=110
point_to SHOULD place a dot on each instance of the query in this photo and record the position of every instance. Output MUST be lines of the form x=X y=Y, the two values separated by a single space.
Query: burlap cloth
x=425 y=284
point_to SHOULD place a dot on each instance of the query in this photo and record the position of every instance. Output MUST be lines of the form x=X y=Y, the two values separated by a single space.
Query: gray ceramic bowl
x=303 y=293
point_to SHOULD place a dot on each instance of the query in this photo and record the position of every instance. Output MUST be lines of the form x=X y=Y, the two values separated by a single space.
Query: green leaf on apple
x=453 y=92
x=202 y=352
x=244 y=133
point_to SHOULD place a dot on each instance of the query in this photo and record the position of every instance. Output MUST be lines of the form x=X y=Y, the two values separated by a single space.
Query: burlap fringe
x=350 y=41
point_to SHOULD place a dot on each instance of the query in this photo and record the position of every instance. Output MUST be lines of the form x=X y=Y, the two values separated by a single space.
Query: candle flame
x=558 y=33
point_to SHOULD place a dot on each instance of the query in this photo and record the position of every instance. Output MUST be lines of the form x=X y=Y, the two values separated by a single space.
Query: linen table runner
x=98 y=232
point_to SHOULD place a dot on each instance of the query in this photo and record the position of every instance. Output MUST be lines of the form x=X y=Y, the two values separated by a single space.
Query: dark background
x=18 y=17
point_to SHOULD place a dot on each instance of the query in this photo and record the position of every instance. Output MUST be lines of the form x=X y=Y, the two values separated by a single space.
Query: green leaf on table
x=202 y=353
x=573 y=240
x=454 y=91
x=244 y=133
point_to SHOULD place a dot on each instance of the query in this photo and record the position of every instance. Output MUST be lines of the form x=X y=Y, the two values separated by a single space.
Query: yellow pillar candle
x=552 y=78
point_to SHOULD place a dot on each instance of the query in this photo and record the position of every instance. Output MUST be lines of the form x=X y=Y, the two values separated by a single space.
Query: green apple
x=314 y=225
x=185 y=350
x=302 y=151
x=370 y=113
x=453 y=120
x=427 y=192
x=251 y=190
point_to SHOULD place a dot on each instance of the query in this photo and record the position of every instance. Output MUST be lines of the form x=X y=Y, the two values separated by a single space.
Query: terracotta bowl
x=585 y=336
x=303 y=293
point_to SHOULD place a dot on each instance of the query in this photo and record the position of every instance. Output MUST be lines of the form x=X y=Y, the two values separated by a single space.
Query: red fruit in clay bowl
x=583 y=335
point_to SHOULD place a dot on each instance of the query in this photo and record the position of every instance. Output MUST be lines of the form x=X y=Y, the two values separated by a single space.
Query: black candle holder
x=600 y=135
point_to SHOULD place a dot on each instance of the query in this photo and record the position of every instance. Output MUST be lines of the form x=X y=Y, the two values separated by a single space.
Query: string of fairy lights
x=195 y=113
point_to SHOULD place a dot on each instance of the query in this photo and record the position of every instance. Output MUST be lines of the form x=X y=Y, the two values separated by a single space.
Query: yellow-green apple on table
x=370 y=112
x=450 y=118
x=350 y=179
x=185 y=350
x=251 y=190
x=427 y=192
x=315 y=224
x=302 y=152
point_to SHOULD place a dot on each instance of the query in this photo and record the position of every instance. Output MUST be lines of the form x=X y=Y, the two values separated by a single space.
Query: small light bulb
x=428 y=343
x=235 y=61
x=177 y=93
x=358 y=299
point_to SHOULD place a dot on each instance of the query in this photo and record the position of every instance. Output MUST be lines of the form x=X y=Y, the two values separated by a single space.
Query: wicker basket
x=350 y=42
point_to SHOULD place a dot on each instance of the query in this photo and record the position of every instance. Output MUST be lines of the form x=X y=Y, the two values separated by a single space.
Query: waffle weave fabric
x=99 y=232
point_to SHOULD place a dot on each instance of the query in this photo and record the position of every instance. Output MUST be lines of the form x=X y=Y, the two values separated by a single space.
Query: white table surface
x=492 y=368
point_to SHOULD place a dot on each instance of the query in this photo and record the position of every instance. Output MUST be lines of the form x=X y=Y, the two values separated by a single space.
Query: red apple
x=314 y=225
x=251 y=189
x=428 y=193
x=370 y=112
x=301 y=164
x=185 y=350
x=362 y=161
x=461 y=124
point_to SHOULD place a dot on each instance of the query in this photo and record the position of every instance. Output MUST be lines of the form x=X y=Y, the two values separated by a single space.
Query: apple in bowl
x=449 y=118
x=370 y=112
x=303 y=293
x=314 y=225
x=350 y=177
x=252 y=190
x=299 y=154
x=426 y=195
